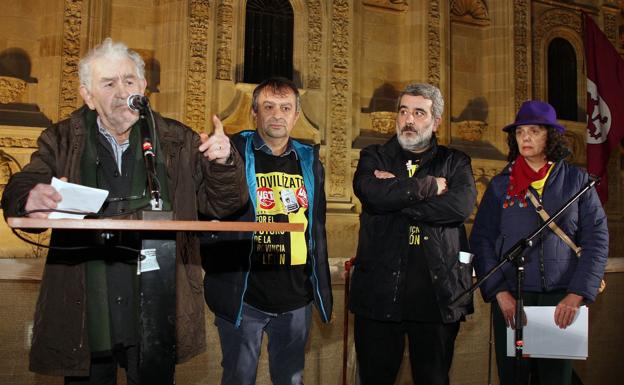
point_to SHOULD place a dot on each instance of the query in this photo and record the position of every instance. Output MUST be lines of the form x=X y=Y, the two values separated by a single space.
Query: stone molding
x=521 y=52
x=433 y=43
x=393 y=5
x=196 y=80
x=225 y=23
x=383 y=122
x=551 y=24
x=470 y=11
x=18 y=142
x=11 y=89
x=471 y=130
x=70 y=56
x=610 y=25
x=483 y=174
x=339 y=95
x=315 y=43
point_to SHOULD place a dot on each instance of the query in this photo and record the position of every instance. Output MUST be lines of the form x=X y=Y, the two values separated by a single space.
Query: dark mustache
x=279 y=121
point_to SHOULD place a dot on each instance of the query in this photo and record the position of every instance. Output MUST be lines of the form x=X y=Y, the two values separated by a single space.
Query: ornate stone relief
x=557 y=18
x=521 y=51
x=315 y=43
x=199 y=18
x=11 y=89
x=482 y=177
x=383 y=122
x=12 y=141
x=610 y=27
x=225 y=22
x=544 y=25
x=70 y=56
x=471 y=130
x=5 y=174
x=339 y=91
x=395 y=5
x=433 y=43
x=470 y=11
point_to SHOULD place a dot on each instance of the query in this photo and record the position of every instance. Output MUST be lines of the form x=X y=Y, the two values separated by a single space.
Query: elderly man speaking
x=85 y=324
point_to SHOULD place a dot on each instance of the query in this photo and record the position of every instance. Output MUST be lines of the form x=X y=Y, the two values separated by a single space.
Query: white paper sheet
x=77 y=198
x=148 y=262
x=543 y=338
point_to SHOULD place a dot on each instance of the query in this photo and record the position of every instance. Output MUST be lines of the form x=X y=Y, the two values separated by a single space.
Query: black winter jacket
x=389 y=206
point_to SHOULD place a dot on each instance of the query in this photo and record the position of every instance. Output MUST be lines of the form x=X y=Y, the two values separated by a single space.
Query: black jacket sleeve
x=455 y=205
x=381 y=196
x=42 y=167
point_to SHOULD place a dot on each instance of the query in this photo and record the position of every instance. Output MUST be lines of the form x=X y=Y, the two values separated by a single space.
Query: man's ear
x=86 y=96
x=436 y=124
x=143 y=85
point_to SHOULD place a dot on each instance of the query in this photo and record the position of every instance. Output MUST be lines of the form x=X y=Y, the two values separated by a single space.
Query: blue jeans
x=288 y=333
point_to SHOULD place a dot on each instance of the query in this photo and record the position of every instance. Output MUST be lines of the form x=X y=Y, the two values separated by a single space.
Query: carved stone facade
x=340 y=97
x=224 y=23
x=470 y=11
x=546 y=26
x=394 y=5
x=11 y=89
x=196 y=81
x=348 y=54
x=72 y=23
x=610 y=26
x=315 y=43
x=521 y=57
x=433 y=42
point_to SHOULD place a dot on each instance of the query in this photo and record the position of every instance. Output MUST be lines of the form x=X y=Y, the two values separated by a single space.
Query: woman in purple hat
x=560 y=272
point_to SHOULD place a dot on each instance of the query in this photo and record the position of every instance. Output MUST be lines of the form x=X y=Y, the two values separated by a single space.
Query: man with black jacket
x=415 y=197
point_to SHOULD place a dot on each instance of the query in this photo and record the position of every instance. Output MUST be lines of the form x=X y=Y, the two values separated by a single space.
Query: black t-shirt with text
x=278 y=281
x=419 y=301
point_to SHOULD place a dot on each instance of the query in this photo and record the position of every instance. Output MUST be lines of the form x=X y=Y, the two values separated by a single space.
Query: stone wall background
x=352 y=58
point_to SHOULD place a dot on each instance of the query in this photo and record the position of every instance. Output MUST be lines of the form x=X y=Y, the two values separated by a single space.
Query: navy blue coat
x=551 y=264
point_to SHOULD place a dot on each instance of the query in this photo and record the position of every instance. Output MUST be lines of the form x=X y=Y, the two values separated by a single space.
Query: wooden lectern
x=157 y=286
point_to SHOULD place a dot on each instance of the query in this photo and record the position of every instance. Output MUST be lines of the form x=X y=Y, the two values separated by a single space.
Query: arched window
x=268 y=40
x=562 y=85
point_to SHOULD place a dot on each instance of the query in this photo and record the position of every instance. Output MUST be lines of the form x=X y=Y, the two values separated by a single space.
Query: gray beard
x=416 y=144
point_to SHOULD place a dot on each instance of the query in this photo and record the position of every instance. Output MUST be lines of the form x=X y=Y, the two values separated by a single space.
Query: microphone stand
x=156 y=271
x=149 y=157
x=516 y=254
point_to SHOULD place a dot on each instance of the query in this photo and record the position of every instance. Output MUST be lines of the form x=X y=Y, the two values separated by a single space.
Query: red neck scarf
x=522 y=175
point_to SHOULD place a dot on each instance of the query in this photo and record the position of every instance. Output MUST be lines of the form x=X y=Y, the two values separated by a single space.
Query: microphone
x=137 y=102
x=148 y=150
x=594 y=178
x=152 y=179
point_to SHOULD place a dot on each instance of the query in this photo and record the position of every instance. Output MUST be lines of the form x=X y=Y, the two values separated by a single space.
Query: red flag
x=605 y=102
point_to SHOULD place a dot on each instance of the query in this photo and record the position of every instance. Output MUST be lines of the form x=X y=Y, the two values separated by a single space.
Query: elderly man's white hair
x=108 y=49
